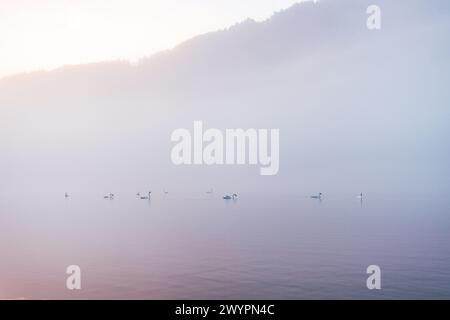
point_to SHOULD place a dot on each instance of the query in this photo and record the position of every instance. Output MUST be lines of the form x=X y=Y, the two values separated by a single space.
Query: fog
x=358 y=110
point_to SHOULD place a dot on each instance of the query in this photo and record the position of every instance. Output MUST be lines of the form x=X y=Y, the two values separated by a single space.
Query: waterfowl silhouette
x=361 y=199
x=319 y=196
x=228 y=197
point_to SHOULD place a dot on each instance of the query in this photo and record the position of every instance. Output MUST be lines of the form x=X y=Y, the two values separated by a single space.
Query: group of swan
x=111 y=195
x=226 y=197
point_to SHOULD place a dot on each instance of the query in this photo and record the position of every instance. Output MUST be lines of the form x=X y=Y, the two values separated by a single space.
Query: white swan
x=148 y=197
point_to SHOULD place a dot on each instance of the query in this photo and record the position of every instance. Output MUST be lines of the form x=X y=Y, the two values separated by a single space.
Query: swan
x=360 y=196
x=110 y=196
x=148 y=197
x=228 y=197
x=319 y=196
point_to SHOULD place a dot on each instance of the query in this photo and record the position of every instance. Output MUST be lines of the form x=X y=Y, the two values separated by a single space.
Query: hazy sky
x=46 y=34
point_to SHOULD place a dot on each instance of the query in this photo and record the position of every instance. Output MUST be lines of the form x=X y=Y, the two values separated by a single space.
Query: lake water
x=203 y=247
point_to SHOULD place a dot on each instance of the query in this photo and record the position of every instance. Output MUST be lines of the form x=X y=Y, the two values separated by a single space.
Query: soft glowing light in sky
x=46 y=34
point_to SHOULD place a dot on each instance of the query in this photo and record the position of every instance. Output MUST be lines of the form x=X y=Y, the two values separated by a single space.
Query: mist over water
x=357 y=111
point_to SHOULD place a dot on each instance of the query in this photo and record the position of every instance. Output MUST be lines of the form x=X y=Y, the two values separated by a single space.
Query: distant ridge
x=293 y=30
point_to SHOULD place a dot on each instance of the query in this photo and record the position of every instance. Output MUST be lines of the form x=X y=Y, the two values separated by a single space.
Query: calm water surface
x=172 y=247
